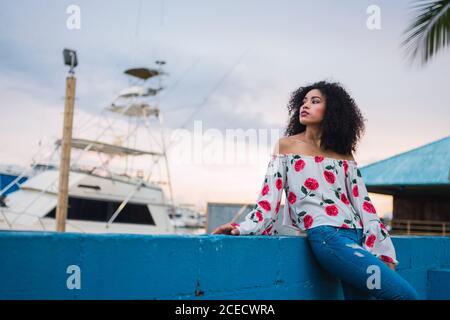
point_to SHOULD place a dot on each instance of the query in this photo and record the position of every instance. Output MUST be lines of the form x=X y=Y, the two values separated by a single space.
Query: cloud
x=285 y=46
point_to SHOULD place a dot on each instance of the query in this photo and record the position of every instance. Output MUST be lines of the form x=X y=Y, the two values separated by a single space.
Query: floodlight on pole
x=70 y=59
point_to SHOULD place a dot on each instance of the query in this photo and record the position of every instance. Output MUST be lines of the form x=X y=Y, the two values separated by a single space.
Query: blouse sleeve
x=376 y=238
x=264 y=214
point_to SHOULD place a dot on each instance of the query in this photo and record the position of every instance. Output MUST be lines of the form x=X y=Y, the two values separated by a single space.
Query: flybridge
x=145 y=73
x=110 y=149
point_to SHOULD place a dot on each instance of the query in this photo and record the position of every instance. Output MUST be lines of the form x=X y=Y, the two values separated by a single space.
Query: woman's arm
x=376 y=237
x=261 y=218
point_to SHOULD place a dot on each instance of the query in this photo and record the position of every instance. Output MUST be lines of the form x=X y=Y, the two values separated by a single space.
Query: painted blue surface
x=6 y=179
x=439 y=280
x=34 y=266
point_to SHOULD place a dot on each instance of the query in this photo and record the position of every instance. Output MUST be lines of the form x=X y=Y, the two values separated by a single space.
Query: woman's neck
x=312 y=135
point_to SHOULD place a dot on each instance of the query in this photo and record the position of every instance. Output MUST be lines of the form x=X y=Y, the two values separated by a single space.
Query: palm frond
x=429 y=32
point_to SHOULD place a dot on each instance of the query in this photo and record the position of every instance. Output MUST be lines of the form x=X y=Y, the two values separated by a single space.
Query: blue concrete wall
x=33 y=265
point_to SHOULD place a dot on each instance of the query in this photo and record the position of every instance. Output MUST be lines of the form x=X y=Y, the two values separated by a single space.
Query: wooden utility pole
x=66 y=145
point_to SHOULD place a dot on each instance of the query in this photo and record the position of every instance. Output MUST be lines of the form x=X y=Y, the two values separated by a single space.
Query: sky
x=231 y=65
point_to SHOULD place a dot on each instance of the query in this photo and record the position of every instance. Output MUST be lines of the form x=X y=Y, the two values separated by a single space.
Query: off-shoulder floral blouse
x=319 y=191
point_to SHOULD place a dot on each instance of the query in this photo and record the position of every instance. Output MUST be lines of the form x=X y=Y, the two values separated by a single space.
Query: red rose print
x=360 y=223
x=265 y=190
x=265 y=205
x=329 y=176
x=279 y=184
x=278 y=207
x=345 y=167
x=344 y=226
x=318 y=159
x=299 y=165
x=386 y=259
x=234 y=224
x=369 y=207
x=344 y=198
x=382 y=226
x=355 y=190
x=308 y=221
x=311 y=184
x=370 y=240
x=292 y=197
x=267 y=231
x=259 y=216
x=332 y=210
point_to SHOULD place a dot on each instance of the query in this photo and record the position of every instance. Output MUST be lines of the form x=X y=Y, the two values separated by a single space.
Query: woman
x=326 y=195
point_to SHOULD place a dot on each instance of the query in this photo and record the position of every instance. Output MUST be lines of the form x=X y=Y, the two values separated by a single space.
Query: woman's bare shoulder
x=350 y=157
x=287 y=145
x=290 y=144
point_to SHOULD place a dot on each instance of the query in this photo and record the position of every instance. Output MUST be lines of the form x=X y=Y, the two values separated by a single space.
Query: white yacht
x=100 y=199
x=187 y=217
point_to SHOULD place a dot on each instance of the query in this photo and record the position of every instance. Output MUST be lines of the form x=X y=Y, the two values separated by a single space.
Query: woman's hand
x=227 y=228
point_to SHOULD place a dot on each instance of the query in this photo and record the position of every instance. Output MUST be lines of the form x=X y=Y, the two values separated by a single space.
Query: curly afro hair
x=343 y=123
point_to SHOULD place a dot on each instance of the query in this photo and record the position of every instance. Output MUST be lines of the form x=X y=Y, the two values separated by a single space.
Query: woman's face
x=312 y=110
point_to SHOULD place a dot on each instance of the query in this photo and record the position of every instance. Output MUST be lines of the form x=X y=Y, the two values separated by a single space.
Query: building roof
x=423 y=169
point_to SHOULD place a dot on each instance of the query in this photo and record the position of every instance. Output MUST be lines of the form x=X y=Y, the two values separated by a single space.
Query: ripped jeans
x=364 y=276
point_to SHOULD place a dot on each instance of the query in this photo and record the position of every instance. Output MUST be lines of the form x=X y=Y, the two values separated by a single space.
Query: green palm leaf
x=429 y=31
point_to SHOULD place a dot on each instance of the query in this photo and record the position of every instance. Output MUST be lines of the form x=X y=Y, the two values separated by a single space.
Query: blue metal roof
x=426 y=165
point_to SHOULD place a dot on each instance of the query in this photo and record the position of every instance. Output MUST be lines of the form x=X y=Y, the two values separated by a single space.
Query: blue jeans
x=364 y=276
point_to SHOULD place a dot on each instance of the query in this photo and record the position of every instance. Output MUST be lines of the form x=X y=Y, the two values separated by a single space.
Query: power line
x=218 y=84
x=214 y=89
x=177 y=81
